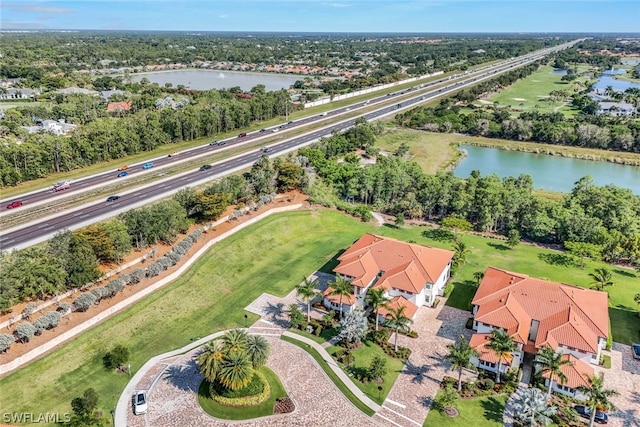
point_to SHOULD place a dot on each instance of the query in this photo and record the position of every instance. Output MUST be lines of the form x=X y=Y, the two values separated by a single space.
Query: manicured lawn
x=363 y=357
x=243 y=413
x=341 y=386
x=270 y=256
x=529 y=94
x=482 y=412
x=325 y=335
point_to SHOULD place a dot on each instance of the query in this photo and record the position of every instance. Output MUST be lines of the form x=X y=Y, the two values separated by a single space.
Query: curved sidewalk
x=50 y=345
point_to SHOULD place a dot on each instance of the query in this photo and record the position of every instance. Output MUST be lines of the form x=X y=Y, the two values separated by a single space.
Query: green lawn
x=530 y=93
x=243 y=413
x=270 y=256
x=482 y=412
x=363 y=357
x=337 y=381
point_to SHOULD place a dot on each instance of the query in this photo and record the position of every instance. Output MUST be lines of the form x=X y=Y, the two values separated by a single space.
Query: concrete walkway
x=50 y=345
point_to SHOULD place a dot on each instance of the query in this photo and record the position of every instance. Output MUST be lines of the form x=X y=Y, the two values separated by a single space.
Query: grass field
x=482 y=412
x=530 y=93
x=270 y=256
x=243 y=413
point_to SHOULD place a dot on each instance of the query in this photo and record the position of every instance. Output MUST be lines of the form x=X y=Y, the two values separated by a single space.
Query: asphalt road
x=29 y=234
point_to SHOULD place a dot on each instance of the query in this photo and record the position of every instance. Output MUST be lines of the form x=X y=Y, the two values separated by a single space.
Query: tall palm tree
x=552 y=363
x=461 y=252
x=375 y=297
x=341 y=287
x=502 y=344
x=597 y=395
x=236 y=370
x=399 y=321
x=210 y=359
x=257 y=350
x=307 y=290
x=601 y=278
x=460 y=355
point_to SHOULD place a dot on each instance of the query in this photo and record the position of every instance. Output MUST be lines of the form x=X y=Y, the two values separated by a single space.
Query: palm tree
x=307 y=290
x=502 y=344
x=636 y=298
x=399 y=321
x=478 y=275
x=236 y=370
x=597 y=395
x=375 y=297
x=460 y=355
x=552 y=364
x=341 y=287
x=209 y=360
x=235 y=340
x=601 y=278
x=461 y=252
x=257 y=350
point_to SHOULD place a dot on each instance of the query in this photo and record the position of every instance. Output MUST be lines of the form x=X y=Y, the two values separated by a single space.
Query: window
x=427 y=286
x=489 y=364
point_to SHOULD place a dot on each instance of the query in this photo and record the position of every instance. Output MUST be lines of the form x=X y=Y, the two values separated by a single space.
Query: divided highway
x=28 y=234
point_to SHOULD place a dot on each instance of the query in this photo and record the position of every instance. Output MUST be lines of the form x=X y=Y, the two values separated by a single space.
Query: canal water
x=211 y=79
x=552 y=173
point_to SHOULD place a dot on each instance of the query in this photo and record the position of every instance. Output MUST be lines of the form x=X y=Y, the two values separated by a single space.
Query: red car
x=14 y=204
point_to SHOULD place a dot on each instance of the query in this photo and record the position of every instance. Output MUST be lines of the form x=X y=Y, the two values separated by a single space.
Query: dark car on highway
x=585 y=412
x=14 y=204
x=242 y=135
x=112 y=198
x=205 y=167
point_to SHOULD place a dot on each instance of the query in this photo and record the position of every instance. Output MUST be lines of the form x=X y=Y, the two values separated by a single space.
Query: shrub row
x=174 y=255
x=49 y=320
x=6 y=341
x=253 y=400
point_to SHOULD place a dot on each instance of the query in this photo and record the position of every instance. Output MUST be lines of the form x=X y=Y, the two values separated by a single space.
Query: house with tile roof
x=572 y=320
x=411 y=275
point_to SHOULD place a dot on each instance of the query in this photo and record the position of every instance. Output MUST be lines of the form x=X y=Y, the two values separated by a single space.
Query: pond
x=552 y=173
x=607 y=79
x=211 y=79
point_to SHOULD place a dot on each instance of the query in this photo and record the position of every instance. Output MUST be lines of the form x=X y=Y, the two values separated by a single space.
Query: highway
x=31 y=233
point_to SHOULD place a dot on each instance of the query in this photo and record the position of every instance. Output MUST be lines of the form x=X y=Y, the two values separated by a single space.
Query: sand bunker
x=518 y=99
x=483 y=101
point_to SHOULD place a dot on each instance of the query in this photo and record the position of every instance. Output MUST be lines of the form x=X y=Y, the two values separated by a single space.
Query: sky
x=397 y=16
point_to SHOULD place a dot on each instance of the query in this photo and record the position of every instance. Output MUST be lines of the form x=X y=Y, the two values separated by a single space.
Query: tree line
x=71 y=259
x=603 y=221
x=146 y=127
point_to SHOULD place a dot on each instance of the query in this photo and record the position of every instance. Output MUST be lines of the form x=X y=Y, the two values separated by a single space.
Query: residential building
x=537 y=313
x=411 y=275
x=19 y=93
x=59 y=127
x=616 y=108
x=117 y=107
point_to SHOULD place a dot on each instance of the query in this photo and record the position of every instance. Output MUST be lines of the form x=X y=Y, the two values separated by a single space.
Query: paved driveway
x=408 y=402
x=624 y=377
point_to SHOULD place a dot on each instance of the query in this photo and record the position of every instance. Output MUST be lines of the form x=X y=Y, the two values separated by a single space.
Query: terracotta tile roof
x=406 y=266
x=479 y=342
x=410 y=308
x=349 y=300
x=119 y=106
x=576 y=374
x=568 y=315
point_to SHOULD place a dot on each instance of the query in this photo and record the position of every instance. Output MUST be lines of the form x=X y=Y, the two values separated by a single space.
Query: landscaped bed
x=482 y=412
x=219 y=410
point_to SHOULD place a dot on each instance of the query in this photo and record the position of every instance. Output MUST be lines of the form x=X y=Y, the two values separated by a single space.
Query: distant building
x=19 y=93
x=107 y=94
x=114 y=107
x=59 y=127
x=72 y=90
x=616 y=108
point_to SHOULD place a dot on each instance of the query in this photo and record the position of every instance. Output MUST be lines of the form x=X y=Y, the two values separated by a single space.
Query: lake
x=212 y=79
x=553 y=173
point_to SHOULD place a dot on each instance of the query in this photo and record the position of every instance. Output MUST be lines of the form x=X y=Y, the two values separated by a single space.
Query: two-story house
x=411 y=275
x=537 y=313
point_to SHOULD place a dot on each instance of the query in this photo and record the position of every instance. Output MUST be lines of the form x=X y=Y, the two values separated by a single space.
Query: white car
x=140 y=403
